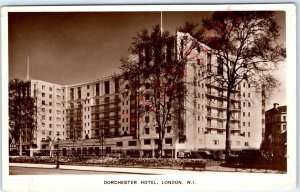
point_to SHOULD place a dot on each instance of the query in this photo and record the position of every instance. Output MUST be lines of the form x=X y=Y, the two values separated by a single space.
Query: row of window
x=51 y=118
x=50 y=111
x=238 y=143
x=168 y=128
x=244 y=114
x=51 y=125
x=276 y=119
x=50 y=133
x=51 y=103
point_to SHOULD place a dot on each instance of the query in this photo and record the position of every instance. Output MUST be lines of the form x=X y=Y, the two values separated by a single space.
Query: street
x=53 y=171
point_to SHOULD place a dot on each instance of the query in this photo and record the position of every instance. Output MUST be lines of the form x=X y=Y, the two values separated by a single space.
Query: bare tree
x=22 y=111
x=154 y=72
x=246 y=46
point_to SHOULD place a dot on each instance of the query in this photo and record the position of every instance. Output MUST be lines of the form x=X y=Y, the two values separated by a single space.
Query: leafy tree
x=246 y=46
x=22 y=111
x=154 y=72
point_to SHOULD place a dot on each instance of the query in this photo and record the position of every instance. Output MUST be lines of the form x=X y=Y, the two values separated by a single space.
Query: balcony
x=115 y=108
x=235 y=108
x=214 y=126
x=214 y=94
x=217 y=106
x=215 y=116
x=110 y=101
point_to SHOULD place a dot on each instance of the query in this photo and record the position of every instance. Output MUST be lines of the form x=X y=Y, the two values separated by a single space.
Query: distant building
x=275 y=140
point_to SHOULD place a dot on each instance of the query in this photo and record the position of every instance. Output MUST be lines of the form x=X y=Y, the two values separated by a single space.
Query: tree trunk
x=20 y=146
x=228 y=115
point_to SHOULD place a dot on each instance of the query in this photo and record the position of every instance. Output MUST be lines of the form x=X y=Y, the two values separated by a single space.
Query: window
x=43 y=124
x=147 y=119
x=87 y=94
x=43 y=87
x=248 y=94
x=106 y=87
x=79 y=92
x=243 y=114
x=43 y=103
x=244 y=104
x=50 y=103
x=88 y=86
x=119 y=144
x=43 y=132
x=249 y=105
x=43 y=117
x=131 y=143
x=147 y=130
x=248 y=124
x=248 y=114
x=220 y=132
x=43 y=109
x=169 y=128
x=168 y=141
x=284 y=118
x=116 y=85
x=50 y=96
x=97 y=89
x=216 y=142
x=248 y=134
x=50 y=132
x=43 y=94
x=50 y=125
x=284 y=127
x=50 y=88
x=50 y=110
x=246 y=144
x=50 y=118
x=147 y=142
x=208 y=62
x=244 y=124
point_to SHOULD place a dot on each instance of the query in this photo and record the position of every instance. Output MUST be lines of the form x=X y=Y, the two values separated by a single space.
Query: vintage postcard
x=152 y=97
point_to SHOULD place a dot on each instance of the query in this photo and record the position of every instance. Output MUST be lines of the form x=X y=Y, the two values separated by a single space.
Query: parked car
x=193 y=155
x=206 y=154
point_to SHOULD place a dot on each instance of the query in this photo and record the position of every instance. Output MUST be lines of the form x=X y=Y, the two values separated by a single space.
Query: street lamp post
x=102 y=137
x=57 y=161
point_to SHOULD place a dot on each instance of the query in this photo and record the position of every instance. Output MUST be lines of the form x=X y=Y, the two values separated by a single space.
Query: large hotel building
x=93 y=118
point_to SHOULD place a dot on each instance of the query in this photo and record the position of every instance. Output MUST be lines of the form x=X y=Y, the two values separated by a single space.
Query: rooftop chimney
x=275 y=105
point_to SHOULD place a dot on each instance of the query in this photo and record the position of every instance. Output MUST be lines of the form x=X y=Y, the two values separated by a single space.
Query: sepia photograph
x=149 y=92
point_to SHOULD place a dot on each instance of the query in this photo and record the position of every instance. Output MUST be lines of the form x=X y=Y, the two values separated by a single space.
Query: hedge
x=108 y=161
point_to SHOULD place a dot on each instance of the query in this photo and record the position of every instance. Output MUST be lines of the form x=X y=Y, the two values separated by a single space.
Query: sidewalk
x=149 y=171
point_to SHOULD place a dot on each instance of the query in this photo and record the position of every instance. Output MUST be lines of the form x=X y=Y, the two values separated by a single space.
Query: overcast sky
x=69 y=48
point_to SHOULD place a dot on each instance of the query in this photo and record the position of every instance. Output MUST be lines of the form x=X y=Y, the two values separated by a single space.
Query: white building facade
x=95 y=118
